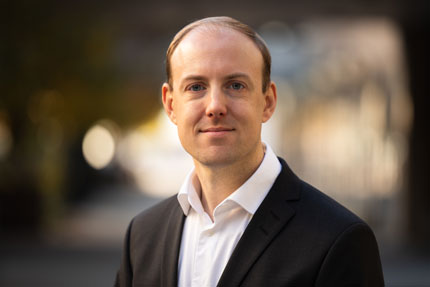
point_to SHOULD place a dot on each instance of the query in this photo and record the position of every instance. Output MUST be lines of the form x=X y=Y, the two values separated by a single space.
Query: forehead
x=216 y=49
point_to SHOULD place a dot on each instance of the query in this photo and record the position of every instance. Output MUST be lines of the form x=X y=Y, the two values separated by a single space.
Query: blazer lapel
x=172 y=241
x=272 y=215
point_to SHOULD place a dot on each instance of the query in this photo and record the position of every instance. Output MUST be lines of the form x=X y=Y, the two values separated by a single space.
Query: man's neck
x=217 y=183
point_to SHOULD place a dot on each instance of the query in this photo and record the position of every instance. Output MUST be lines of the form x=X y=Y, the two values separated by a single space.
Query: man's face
x=217 y=100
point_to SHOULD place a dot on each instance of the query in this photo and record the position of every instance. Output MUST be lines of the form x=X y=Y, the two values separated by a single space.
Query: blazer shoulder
x=157 y=213
x=152 y=225
x=309 y=203
x=151 y=245
x=326 y=207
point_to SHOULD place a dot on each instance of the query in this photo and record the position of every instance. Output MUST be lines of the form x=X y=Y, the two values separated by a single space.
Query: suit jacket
x=297 y=237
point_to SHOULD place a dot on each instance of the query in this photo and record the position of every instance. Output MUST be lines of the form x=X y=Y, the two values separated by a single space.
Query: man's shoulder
x=323 y=216
x=157 y=212
x=310 y=202
x=326 y=206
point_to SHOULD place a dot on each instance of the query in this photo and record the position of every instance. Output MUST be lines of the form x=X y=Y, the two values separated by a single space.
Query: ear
x=270 y=98
x=168 y=104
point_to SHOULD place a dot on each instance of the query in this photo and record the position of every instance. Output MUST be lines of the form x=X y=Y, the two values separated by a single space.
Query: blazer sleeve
x=352 y=260
x=124 y=276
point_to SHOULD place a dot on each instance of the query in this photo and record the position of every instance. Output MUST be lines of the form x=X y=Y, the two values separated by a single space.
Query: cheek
x=187 y=115
x=250 y=113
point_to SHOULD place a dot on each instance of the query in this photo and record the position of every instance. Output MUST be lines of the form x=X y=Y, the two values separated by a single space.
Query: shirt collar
x=249 y=195
x=188 y=196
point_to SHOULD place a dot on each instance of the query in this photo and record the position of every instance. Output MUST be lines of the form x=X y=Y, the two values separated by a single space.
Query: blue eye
x=236 y=86
x=196 y=88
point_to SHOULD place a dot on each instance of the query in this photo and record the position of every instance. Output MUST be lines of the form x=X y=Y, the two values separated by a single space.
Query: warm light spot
x=153 y=154
x=5 y=140
x=98 y=146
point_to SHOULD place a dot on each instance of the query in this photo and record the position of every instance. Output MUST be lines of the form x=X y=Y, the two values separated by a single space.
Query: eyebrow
x=238 y=75
x=193 y=78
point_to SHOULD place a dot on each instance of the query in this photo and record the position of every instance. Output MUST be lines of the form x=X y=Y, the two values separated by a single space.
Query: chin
x=215 y=157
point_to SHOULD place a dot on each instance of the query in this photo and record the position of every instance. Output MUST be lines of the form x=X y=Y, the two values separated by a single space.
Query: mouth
x=216 y=130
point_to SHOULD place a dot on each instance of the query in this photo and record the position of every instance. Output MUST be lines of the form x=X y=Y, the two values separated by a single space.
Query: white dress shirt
x=206 y=246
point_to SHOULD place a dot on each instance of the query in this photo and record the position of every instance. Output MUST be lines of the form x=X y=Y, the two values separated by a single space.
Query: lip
x=216 y=130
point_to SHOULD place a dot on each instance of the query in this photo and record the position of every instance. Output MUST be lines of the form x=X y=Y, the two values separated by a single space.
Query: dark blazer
x=297 y=237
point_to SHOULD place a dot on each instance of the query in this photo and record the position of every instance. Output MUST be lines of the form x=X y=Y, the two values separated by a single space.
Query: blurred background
x=85 y=146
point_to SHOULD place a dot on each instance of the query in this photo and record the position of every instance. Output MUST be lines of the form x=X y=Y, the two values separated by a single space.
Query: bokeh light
x=98 y=146
x=154 y=156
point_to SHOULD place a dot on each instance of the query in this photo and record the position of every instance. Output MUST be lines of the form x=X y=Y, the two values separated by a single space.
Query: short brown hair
x=227 y=22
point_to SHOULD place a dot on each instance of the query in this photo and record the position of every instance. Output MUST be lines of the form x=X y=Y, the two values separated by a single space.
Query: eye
x=196 y=88
x=236 y=86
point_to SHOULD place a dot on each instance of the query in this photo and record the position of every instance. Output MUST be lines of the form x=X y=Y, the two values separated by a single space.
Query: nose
x=217 y=106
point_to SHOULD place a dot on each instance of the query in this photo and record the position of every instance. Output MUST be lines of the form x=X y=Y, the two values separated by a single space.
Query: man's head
x=216 y=95
x=226 y=22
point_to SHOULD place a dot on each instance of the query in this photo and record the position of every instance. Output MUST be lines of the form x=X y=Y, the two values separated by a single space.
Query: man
x=241 y=218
